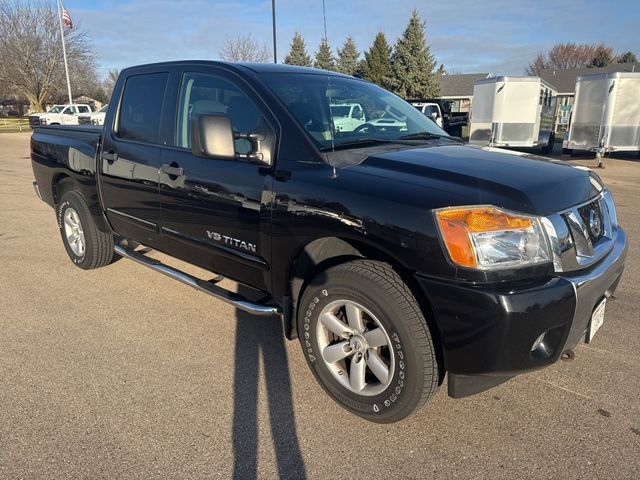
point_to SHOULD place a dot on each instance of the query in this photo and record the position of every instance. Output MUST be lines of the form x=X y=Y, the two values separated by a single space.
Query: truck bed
x=65 y=150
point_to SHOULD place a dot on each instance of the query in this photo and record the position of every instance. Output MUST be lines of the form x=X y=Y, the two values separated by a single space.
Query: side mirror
x=212 y=136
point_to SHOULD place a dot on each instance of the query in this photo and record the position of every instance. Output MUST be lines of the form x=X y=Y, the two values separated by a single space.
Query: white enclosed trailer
x=513 y=112
x=606 y=114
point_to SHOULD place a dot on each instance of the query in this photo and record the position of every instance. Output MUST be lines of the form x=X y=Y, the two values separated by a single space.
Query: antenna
x=334 y=173
x=324 y=18
x=273 y=18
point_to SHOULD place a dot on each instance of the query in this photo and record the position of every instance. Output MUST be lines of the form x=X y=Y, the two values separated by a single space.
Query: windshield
x=56 y=109
x=103 y=109
x=320 y=102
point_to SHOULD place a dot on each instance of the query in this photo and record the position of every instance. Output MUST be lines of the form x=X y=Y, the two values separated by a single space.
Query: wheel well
x=58 y=185
x=324 y=253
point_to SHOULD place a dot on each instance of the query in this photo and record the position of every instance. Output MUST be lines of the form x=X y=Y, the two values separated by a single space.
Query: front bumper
x=487 y=332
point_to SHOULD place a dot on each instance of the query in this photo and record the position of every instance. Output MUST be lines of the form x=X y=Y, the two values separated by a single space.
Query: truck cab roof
x=258 y=68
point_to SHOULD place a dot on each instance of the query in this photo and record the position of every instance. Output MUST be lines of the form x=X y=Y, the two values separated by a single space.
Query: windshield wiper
x=362 y=142
x=429 y=135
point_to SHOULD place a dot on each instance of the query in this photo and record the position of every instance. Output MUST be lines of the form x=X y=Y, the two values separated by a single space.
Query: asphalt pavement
x=122 y=373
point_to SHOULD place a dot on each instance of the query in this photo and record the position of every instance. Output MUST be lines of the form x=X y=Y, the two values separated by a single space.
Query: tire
x=395 y=332
x=92 y=248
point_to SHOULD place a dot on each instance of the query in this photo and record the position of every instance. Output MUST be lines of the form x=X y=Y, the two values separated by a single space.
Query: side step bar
x=232 y=298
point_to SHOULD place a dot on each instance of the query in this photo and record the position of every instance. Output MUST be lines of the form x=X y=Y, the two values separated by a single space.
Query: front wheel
x=367 y=342
x=86 y=246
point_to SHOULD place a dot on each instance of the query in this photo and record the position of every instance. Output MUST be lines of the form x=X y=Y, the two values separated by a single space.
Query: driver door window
x=209 y=94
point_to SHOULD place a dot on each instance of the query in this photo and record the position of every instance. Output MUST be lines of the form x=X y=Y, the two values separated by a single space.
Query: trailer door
x=586 y=119
x=624 y=126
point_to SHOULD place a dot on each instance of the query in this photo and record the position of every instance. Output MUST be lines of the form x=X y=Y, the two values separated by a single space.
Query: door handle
x=110 y=156
x=172 y=170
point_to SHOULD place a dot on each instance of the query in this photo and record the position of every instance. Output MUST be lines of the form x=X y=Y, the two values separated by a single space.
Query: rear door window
x=141 y=107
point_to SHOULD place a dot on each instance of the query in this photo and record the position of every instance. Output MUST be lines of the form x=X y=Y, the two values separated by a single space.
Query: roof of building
x=565 y=80
x=460 y=84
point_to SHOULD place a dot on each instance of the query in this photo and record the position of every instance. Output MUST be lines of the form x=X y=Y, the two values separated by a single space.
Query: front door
x=217 y=213
x=130 y=159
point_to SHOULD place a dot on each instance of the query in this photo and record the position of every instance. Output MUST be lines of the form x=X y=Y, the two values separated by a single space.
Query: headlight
x=43 y=121
x=488 y=238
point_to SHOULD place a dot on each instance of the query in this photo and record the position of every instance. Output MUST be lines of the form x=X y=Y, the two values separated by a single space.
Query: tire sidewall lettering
x=61 y=209
x=378 y=404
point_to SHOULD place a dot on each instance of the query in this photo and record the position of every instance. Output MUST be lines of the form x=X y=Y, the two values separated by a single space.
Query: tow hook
x=568 y=355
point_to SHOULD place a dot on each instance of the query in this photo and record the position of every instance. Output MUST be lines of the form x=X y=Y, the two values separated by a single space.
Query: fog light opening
x=538 y=342
x=547 y=344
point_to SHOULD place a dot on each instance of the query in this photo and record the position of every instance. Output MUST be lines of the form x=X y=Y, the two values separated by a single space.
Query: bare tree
x=570 y=55
x=244 y=48
x=31 y=60
x=538 y=64
x=110 y=81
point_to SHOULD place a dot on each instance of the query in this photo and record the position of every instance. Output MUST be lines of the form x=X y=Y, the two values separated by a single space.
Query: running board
x=231 y=298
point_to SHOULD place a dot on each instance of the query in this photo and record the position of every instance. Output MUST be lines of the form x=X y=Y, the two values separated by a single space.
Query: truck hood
x=469 y=175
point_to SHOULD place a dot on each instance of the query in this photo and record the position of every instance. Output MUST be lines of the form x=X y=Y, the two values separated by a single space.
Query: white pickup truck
x=59 y=115
x=95 y=118
x=431 y=110
x=347 y=116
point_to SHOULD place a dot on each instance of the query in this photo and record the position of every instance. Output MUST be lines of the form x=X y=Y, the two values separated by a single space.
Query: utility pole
x=273 y=15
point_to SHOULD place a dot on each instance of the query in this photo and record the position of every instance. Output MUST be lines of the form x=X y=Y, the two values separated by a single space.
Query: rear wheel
x=367 y=342
x=86 y=246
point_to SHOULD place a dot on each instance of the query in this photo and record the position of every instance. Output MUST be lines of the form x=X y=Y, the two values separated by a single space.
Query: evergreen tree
x=348 y=57
x=298 y=52
x=376 y=66
x=324 y=56
x=628 y=57
x=441 y=70
x=412 y=64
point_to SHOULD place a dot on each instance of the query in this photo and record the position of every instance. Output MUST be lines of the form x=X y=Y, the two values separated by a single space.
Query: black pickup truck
x=439 y=110
x=395 y=254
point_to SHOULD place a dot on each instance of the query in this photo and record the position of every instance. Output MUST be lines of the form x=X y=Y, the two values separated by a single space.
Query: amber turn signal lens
x=456 y=225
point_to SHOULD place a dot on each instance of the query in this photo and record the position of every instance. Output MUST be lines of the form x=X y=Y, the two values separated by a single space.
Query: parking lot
x=123 y=373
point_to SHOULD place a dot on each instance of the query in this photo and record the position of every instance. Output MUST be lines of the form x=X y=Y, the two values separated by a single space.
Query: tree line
x=408 y=68
x=577 y=55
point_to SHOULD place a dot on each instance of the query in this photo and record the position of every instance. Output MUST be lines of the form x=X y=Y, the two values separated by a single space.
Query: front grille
x=34 y=121
x=591 y=215
x=583 y=234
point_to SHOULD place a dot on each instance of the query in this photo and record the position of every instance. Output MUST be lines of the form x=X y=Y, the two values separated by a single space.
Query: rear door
x=216 y=213
x=130 y=158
